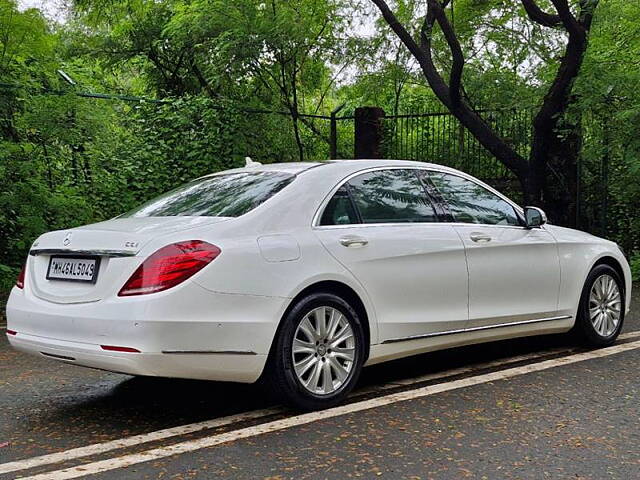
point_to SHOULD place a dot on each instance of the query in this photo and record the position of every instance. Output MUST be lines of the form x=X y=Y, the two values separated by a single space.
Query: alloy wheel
x=605 y=304
x=323 y=350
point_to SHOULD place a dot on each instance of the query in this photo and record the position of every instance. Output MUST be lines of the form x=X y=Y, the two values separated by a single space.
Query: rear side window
x=472 y=203
x=339 y=210
x=391 y=196
x=227 y=195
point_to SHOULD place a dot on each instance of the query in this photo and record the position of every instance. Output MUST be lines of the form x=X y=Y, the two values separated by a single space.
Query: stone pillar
x=368 y=132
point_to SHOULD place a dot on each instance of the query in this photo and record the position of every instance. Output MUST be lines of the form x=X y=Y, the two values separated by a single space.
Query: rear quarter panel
x=246 y=267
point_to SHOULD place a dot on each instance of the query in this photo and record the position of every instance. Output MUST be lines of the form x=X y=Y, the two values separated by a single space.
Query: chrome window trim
x=413 y=224
x=474 y=329
x=315 y=223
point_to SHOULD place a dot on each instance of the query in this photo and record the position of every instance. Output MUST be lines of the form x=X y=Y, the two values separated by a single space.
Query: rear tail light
x=11 y=332
x=20 y=280
x=169 y=266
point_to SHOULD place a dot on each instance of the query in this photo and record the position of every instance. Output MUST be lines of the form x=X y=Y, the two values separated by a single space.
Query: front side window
x=226 y=195
x=472 y=203
x=391 y=196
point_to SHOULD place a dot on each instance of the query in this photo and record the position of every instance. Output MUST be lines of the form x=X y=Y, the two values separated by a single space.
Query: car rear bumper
x=194 y=333
x=221 y=366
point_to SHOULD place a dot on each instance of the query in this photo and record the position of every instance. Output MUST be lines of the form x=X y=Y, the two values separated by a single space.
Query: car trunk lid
x=114 y=245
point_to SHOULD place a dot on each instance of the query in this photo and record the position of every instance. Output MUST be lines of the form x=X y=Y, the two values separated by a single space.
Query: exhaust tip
x=58 y=357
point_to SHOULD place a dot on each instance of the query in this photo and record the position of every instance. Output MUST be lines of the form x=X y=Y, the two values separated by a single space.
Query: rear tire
x=318 y=353
x=601 y=309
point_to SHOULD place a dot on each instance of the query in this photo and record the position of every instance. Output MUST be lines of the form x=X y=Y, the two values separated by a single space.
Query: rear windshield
x=229 y=195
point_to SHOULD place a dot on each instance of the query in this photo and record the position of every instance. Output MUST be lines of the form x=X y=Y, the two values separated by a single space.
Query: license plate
x=74 y=269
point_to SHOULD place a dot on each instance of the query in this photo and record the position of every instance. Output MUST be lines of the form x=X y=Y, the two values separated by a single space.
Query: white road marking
x=206 y=442
x=624 y=336
x=462 y=370
x=163 y=434
x=133 y=440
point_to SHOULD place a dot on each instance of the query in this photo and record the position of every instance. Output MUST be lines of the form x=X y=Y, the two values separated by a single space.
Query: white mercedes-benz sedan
x=299 y=274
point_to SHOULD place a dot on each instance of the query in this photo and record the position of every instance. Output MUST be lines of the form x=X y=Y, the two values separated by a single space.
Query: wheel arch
x=613 y=263
x=342 y=290
x=583 y=326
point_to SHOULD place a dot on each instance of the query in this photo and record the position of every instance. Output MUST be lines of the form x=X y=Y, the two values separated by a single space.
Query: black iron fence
x=438 y=137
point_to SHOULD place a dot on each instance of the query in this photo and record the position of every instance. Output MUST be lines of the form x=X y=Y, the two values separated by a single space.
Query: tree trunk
x=553 y=174
x=296 y=133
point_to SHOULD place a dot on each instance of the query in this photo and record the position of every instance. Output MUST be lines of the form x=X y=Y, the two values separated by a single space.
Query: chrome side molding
x=71 y=251
x=475 y=329
x=209 y=352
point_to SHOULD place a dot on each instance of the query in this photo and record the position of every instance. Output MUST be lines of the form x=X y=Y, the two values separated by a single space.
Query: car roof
x=352 y=166
x=347 y=166
x=372 y=163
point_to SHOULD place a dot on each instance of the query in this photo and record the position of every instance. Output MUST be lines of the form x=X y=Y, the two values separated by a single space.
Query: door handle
x=353 y=241
x=479 y=237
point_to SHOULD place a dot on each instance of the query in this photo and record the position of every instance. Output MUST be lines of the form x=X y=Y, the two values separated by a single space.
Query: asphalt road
x=578 y=420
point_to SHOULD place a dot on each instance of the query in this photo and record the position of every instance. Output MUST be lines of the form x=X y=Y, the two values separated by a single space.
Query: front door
x=514 y=272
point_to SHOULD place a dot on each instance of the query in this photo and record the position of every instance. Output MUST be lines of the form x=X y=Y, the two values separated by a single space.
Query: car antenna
x=250 y=163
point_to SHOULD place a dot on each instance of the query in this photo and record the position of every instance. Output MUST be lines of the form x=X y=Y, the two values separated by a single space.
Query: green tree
x=555 y=143
x=271 y=55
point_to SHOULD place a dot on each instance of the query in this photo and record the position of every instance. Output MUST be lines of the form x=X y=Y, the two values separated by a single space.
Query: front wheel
x=601 y=310
x=318 y=354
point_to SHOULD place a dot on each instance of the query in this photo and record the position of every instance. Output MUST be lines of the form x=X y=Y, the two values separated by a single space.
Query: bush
x=635 y=267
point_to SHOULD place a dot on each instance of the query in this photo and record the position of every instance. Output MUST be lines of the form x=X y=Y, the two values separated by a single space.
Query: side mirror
x=534 y=217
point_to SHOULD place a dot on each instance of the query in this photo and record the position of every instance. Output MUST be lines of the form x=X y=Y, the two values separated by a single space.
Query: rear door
x=383 y=227
x=514 y=272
